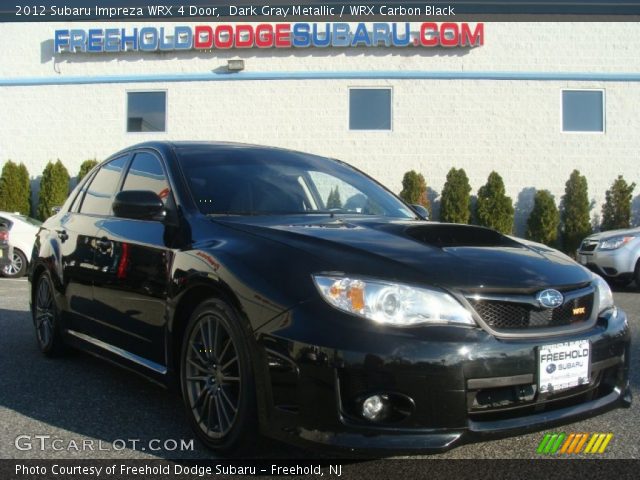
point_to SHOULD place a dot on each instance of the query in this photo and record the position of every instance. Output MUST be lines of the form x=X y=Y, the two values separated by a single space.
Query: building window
x=146 y=111
x=583 y=111
x=370 y=109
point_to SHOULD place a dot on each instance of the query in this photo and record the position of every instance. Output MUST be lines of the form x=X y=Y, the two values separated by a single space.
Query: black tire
x=216 y=378
x=620 y=282
x=46 y=317
x=18 y=266
x=636 y=275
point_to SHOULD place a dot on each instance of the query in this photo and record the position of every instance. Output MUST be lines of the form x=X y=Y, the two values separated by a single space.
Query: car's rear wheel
x=46 y=317
x=18 y=266
x=216 y=377
x=636 y=275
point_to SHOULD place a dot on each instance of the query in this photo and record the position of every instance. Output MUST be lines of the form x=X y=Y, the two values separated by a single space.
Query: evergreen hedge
x=455 y=203
x=544 y=220
x=414 y=190
x=15 y=188
x=574 y=212
x=86 y=167
x=616 y=211
x=54 y=188
x=494 y=208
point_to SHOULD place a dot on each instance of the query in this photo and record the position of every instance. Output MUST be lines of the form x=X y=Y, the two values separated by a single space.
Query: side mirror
x=139 y=205
x=421 y=211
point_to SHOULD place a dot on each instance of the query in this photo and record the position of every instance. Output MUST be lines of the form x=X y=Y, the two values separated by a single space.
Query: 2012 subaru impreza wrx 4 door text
x=293 y=295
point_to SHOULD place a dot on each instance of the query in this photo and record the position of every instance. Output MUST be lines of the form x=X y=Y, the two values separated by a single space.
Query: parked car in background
x=615 y=255
x=21 y=236
x=225 y=269
x=5 y=257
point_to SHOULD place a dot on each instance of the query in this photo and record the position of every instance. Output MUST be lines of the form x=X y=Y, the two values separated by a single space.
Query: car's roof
x=178 y=146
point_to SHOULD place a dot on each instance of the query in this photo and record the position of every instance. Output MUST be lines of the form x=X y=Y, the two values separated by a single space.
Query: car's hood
x=614 y=233
x=452 y=256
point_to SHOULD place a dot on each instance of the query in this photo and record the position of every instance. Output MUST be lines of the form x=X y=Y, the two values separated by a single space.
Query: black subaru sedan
x=292 y=295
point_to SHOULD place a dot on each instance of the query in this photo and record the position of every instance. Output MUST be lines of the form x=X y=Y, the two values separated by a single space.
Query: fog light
x=375 y=407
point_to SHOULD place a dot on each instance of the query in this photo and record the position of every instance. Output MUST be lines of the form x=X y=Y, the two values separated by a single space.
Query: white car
x=614 y=254
x=22 y=235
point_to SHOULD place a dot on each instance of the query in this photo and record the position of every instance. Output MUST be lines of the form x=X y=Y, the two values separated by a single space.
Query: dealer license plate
x=563 y=365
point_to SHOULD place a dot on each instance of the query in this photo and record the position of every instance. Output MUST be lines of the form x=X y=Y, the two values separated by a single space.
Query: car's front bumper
x=463 y=382
x=619 y=263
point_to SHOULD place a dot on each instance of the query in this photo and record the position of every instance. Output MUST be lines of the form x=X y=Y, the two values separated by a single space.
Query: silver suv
x=614 y=255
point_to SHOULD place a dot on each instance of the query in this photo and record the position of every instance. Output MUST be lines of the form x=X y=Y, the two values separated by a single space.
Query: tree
x=86 y=167
x=54 y=188
x=544 y=220
x=334 y=201
x=574 y=212
x=414 y=190
x=616 y=211
x=15 y=188
x=494 y=208
x=455 y=204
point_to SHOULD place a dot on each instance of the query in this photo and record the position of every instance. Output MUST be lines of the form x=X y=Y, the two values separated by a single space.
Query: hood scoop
x=454 y=235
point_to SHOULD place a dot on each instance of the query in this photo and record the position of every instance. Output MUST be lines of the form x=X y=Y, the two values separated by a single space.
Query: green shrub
x=616 y=211
x=544 y=220
x=494 y=208
x=455 y=203
x=15 y=188
x=334 y=201
x=86 y=167
x=54 y=188
x=414 y=190
x=574 y=212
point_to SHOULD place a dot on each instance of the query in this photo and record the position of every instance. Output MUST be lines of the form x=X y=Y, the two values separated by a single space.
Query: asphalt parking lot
x=81 y=407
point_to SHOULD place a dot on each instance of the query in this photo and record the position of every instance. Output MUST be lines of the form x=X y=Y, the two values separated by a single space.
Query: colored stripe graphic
x=574 y=443
x=543 y=443
x=556 y=445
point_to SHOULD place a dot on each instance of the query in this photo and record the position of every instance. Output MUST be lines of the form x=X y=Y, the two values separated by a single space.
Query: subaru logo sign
x=550 y=298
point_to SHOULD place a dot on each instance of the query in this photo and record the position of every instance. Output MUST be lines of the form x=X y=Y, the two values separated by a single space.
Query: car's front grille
x=517 y=315
x=588 y=245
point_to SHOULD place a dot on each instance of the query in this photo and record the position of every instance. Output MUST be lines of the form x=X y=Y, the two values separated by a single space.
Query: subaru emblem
x=550 y=298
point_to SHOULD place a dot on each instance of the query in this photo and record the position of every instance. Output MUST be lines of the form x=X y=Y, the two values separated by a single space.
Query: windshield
x=255 y=181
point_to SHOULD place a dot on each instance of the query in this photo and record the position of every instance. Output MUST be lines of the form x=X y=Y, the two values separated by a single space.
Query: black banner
x=347 y=469
x=316 y=10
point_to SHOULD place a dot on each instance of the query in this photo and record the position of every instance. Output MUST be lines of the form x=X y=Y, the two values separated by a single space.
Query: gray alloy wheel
x=214 y=382
x=17 y=267
x=216 y=377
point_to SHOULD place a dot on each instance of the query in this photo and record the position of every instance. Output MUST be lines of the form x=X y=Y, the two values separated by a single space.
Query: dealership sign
x=266 y=35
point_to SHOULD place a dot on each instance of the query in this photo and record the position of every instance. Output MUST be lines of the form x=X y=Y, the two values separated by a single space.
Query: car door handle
x=62 y=235
x=103 y=244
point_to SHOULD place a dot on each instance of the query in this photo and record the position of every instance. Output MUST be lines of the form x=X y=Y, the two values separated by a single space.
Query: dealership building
x=532 y=101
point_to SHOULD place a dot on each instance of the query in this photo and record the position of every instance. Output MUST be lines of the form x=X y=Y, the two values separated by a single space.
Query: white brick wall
x=480 y=125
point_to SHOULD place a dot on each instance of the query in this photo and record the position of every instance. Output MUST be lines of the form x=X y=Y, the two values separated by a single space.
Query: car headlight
x=614 y=242
x=605 y=297
x=391 y=303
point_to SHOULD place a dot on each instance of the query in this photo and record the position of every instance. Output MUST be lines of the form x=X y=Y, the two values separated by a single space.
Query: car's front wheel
x=18 y=266
x=216 y=377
